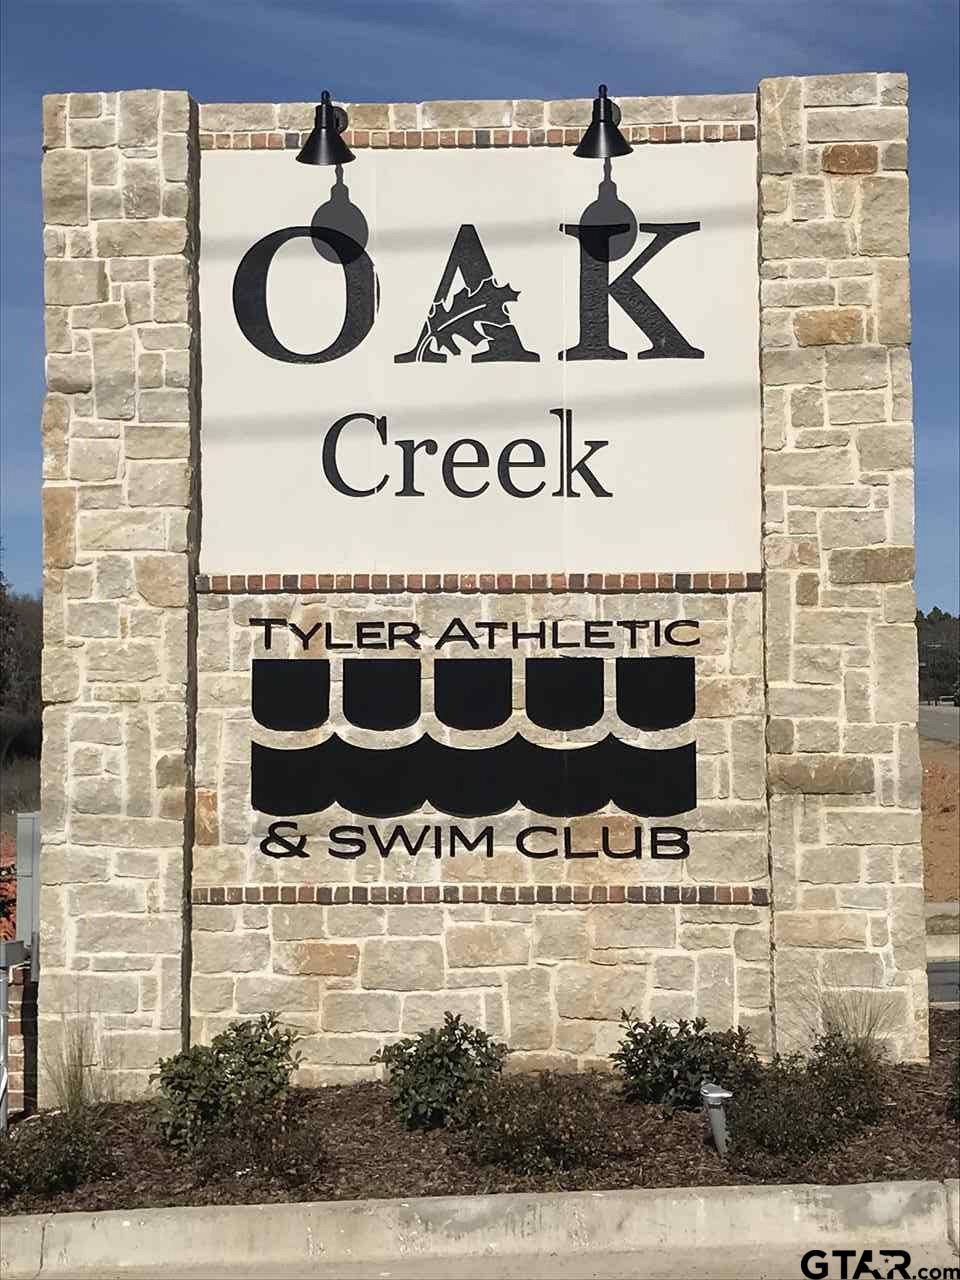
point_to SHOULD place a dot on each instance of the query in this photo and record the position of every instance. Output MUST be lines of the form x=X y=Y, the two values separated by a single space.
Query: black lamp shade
x=324 y=145
x=603 y=139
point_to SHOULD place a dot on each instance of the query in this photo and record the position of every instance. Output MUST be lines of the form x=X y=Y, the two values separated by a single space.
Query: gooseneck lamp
x=324 y=145
x=603 y=139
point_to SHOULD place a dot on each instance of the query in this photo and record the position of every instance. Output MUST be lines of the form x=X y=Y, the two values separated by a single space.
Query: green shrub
x=667 y=1064
x=436 y=1075
x=244 y=1075
x=540 y=1124
x=53 y=1153
x=795 y=1108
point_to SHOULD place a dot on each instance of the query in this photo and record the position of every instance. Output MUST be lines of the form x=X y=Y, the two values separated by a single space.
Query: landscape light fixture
x=603 y=139
x=324 y=145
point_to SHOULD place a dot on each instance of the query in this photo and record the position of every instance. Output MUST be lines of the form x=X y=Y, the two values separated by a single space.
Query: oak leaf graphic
x=470 y=312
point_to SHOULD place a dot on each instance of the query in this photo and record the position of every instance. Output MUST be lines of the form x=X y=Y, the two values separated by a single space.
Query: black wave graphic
x=655 y=693
x=386 y=783
x=382 y=693
x=291 y=693
x=564 y=693
x=473 y=693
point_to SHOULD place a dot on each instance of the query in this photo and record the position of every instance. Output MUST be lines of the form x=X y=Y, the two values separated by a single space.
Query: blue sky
x=411 y=50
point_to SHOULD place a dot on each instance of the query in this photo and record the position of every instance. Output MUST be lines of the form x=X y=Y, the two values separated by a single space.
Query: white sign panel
x=481 y=360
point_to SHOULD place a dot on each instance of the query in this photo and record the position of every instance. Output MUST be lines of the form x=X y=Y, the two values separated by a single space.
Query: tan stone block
x=797 y=366
x=348 y=1058
x=60 y=680
x=817 y=735
x=54 y=120
x=851 y=124
x=69 y=282
x=162 y=579
x=714 y=990
x=820 y=929
x=673 y=973
x=138 y=112
x=813 y=665
x=830 y=626
x=141 y=187
x=827 y=326
x=809 y=467
x=804 y=701
x=781 y=134
x=286 y=994
x=856 y=368
x=852 y=528
x=872 y=564
x=831 y=866
x=893 y=302
x=70 y=374
x=856 y=406
x=560 y=935
x=423 y=1012
x=529 y=1009
x=331 y=959
x=873 y=827
x=355 y=921
x=141 y=239
x=895 y=699
x=822 y=775
x=852 y=969
x=211 y=995
x=601 y=992
x=885 y=448
x=230 y=952
x=94 y=618
x=59 y=516
x=414 y=922
x=138 y=1049
x=360 y=1011
x=492 y=944
x=850 y=158
x=883 y=216
x=108 y=660
x=240 y=117
x=839 y=90
x=65 y=187
x=490 y=114
x=634 y=927
x=159 y=484
x=171 y=289
x=826 y=239
x=133 y=935
x=402 y=965
x=698 y=937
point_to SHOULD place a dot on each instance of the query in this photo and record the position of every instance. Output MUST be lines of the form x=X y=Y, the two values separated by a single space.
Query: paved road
x=941 y=724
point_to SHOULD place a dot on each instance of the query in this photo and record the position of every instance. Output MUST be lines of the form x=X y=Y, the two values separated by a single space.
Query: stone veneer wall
x=840 y=640
x=120 y=181
x=544 y=952
x=121 y=523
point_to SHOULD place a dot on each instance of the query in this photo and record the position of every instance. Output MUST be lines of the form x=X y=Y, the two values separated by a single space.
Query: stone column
x=120 y=181
x=844 y=773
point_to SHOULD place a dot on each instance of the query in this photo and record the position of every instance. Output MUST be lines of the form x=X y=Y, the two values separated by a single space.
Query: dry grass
x=20 y=785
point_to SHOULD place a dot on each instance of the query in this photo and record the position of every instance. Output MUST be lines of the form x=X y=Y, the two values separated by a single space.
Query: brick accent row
x=245 y=584
x=504 y=895
x=431 y=139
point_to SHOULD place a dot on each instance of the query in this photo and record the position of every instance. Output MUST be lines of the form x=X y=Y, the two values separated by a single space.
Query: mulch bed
x=364 y=1152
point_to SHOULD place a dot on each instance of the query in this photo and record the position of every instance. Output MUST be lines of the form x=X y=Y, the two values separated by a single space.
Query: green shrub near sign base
x=241 y=1078
x=436 y=1076
x=666 y=1063
x=53 y=1153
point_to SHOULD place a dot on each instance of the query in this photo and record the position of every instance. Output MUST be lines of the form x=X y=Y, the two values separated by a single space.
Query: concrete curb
x=867 y=1215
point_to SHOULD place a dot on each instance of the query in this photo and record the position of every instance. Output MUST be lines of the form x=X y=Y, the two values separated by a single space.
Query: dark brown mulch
x=364 y=1152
